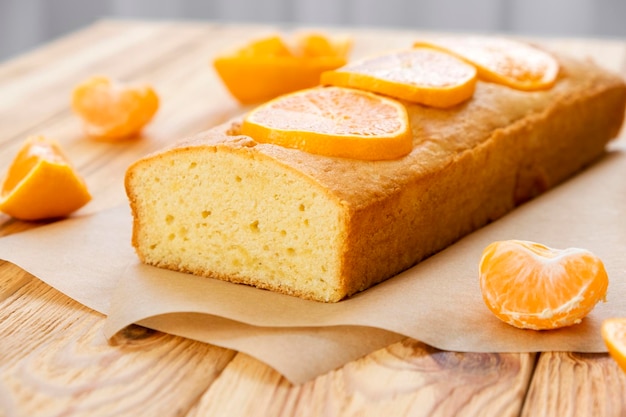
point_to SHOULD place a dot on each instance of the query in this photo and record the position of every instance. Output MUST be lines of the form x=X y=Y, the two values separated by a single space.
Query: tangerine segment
x=41 y=183
x=532 y=286
x=421 y=75
x=267 y=68
x=334 y=121
x=504 y=61
x=614 y=336
x=111 y=110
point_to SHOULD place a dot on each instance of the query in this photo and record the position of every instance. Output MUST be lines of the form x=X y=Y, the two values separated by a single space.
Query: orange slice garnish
x=41 y=183
x=532 y=286
x=421 y=75
x=614 y=336
x=268 y=68
x=112 y=110
x=504 y=61
x=333 y=121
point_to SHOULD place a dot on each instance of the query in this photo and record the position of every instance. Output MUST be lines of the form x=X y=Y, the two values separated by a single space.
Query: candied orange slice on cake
x=504 y=61
x=614 y=336
x=421 y=75
x=269 y=67
x=41 y=183
x=532 y=286
x=333 y=121
x=111 y=110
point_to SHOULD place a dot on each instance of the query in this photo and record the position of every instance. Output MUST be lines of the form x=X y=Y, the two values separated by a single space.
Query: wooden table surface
x=54 y=359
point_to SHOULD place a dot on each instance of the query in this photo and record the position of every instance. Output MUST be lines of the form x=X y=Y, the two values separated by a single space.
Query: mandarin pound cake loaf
x=225 y=205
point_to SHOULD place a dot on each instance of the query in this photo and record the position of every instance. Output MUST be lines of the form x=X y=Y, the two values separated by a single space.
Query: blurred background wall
x=24 y=24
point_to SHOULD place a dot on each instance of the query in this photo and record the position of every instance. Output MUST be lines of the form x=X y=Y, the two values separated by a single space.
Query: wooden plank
x=407 y=378
x=576 y=384
x=54 y=360
x=13 y=278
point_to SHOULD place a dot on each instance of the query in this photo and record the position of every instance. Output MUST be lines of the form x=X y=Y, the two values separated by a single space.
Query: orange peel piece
x=420 y=75
x=268 y=67
x=504 y=61
x=318 y=45
x=531 y=286
x=614 y=336
x=41 y=183
x=112 y=110
x=333 y=121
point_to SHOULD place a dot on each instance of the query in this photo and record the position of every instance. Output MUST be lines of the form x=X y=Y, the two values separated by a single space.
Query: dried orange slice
x=421 y=75
x=41 y=183
x=112 y=110
x=614 y=335
x=333 y=121
x=268 y=68
x=504 y=61
x=532 y=286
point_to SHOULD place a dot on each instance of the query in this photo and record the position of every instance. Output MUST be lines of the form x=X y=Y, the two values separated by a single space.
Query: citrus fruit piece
x=268 y=68
x=532 y=286
x=112 y=110
x=271 y=46
x=504 y=61
x=614 y=336
x=421 y=75
x=41 y=183
x=333 y=121
x=318 y=45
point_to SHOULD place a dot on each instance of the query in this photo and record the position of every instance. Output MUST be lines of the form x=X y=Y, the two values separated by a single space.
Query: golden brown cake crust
x=470 y=165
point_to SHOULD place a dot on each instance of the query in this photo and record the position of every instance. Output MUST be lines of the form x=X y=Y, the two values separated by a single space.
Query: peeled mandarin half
x=421 y=75
x=532 y=286
x=614 y=335
x=333 y=121
x=41 y=183
x=267 y=68
x=111 y=110
x=504 y=61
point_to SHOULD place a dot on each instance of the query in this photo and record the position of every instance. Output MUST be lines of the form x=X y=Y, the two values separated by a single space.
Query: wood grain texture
x=576 y=384
x=408 y=378
x=54 y=360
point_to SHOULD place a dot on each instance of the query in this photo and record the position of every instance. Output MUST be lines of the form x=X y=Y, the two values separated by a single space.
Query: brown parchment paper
x=438 y=301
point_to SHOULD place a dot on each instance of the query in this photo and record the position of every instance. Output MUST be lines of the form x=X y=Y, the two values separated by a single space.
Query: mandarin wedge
x=333 y=121
x=41 y=183
x=614 y=336
x=532 y=286
x=515 y=64
x=267 y=68
x=421 y=75
x=114 y=111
